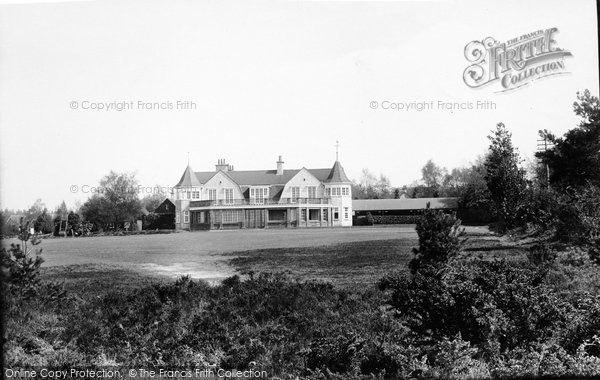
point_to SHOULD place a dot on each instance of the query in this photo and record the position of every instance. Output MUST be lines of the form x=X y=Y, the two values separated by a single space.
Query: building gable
x=166 y=207
x=219 y=182
x=302 y=180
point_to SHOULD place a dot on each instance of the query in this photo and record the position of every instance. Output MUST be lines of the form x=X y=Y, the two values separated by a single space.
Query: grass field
x=346 y=264
x=345 y=257
x=196 y=253
x=361 y=263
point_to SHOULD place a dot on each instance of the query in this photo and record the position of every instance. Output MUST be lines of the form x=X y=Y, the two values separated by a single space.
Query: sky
x=263 y=79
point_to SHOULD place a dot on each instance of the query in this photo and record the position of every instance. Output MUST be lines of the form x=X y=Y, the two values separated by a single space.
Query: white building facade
x=226 y=198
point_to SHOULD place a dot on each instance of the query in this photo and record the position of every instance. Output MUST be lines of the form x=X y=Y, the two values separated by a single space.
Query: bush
x=578 y=216
x=453 y=317
x=438 y=239
x=20 y=270
x=542 y=206
x=386 y=219
x=44 y=223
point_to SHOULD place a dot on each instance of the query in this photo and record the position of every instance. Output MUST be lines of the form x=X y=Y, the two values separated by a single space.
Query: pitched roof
x=337 y=174
x=15 y=218
x=403 y=204
x=263 y=177
x=166 y=207
x=188 y=179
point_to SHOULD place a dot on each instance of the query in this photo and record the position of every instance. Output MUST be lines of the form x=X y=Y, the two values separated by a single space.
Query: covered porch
x=272 y=216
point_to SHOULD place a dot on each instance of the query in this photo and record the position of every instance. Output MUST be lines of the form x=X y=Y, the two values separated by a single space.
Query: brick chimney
x=222 y=165
x=280 y=166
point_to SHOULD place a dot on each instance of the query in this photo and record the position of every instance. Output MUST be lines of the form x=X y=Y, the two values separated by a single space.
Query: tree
x=97 y=210
x=438 y=239
x=43 y=223
x=574 y=161
x=505 y=179
x=366 y=185
x=35 y=210
x=117 y=203
x=369 y=187
x=432 y=176
x=74 y=221
x=151 y=201
x=62 y=211
x=382 y=187
x=475 y=204
x=416 y=190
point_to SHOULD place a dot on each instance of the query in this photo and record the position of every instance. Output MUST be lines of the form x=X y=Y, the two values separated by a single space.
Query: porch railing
x=266 y=201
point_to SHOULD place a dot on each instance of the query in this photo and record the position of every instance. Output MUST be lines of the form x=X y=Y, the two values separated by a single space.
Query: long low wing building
x=397 y=211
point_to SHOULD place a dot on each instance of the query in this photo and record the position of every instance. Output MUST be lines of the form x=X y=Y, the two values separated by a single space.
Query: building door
x=255 y=219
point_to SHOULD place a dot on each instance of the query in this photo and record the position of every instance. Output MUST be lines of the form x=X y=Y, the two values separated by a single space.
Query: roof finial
x=337 y=146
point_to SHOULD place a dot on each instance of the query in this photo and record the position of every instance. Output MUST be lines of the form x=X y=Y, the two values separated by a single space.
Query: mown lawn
x=361 y=263
x=344 y=264
x=350 y=265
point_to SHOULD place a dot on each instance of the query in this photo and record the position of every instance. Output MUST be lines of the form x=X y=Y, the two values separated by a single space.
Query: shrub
x=578 y=216
x=540 y=254
x=21 y=271
x=438 y=239
x=44 y=223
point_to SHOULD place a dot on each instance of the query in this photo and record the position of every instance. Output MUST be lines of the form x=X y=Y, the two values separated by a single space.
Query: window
x=345 y=212
x=212 y=194
x=345 y=190
x=201 y=216
x=303 y=215
x=231 y=216
x=178 y=218
x=295 y=194
x=328 y=191
x=259 y=194
x=195 y=195
x=228 y=196
x=325 y=214
x=336 y=213
x=335 y=191
x=186 y=217
x=312 y=192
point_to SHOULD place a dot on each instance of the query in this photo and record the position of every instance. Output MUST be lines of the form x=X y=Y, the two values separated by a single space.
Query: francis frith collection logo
x=514 y=63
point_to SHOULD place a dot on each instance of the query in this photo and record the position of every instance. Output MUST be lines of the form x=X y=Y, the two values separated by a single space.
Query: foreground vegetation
x=526 y=305
x=457 y=313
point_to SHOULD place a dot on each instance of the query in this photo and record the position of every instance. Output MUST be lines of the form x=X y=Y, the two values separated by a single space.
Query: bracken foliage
x=454 y=317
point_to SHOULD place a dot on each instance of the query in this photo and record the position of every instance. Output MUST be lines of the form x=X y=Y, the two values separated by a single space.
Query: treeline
x=116 y=207
x=559 y=192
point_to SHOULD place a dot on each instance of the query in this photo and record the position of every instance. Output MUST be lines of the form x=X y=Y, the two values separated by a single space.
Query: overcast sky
x=268 y=78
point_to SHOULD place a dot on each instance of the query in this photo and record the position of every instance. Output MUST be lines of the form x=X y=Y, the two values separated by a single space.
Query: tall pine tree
x=505 y=179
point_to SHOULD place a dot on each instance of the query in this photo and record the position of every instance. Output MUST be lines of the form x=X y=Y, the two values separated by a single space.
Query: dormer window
x=259 y=194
